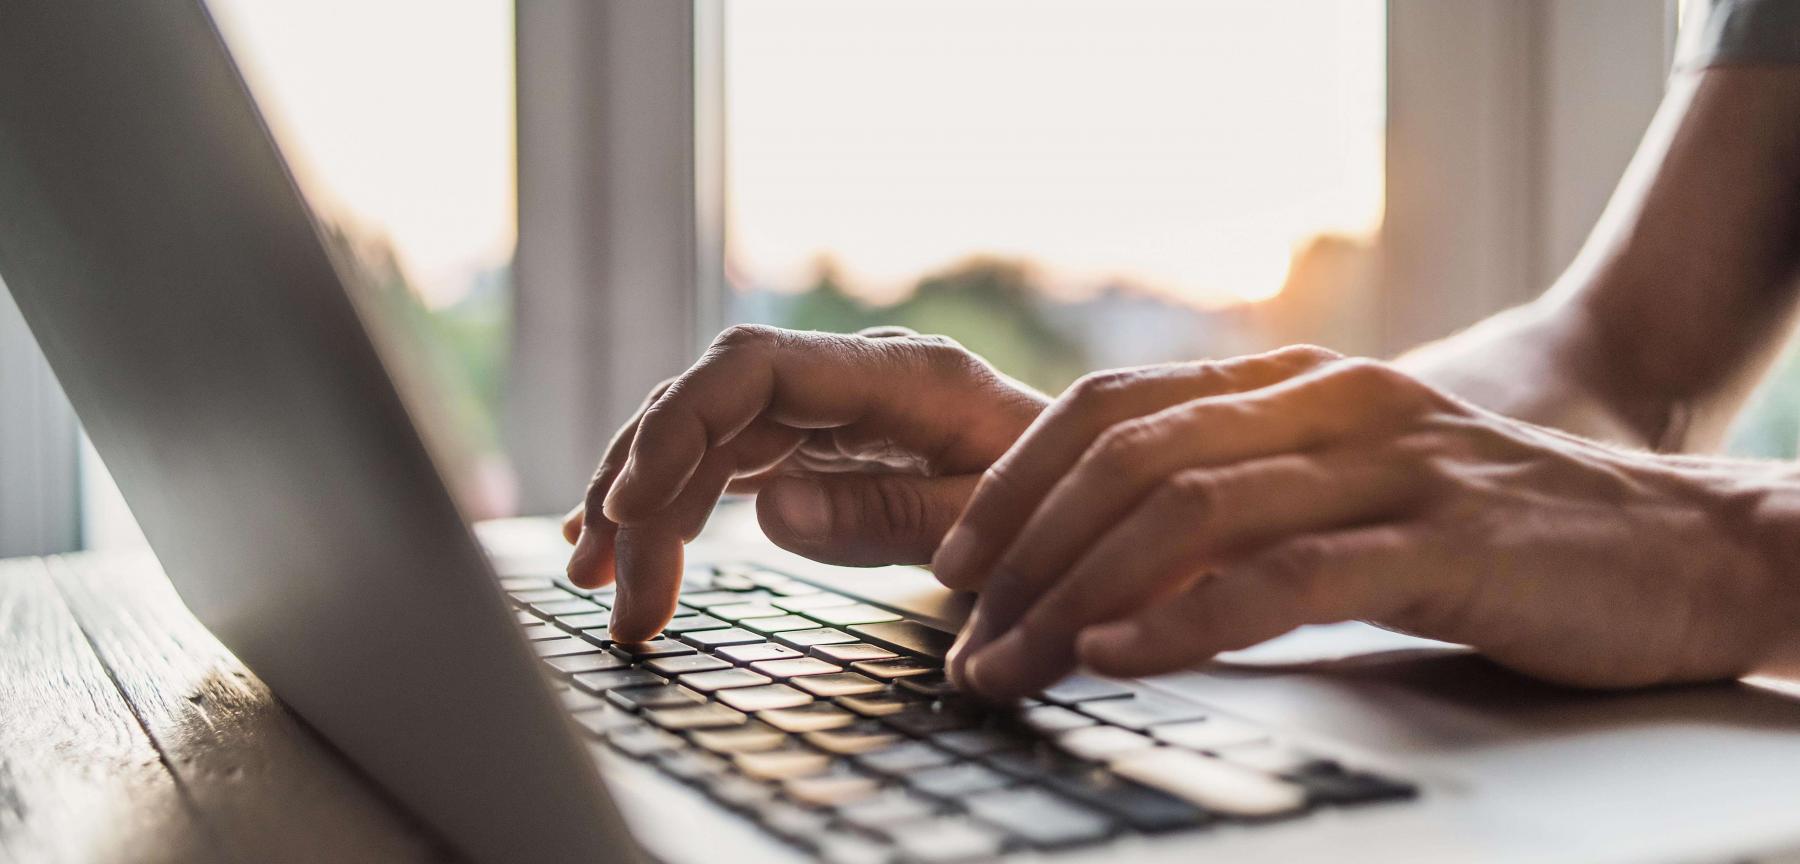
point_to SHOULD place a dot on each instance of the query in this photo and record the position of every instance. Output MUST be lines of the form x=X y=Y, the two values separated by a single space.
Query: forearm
x=1682 y=294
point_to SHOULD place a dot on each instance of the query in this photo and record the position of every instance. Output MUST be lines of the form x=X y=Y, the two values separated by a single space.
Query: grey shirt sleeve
x=1723 y=32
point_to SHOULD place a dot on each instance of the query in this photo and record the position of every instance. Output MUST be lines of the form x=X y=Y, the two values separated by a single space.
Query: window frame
x=1496 y=169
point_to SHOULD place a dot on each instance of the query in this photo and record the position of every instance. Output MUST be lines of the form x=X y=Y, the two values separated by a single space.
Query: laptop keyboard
x=830 y=723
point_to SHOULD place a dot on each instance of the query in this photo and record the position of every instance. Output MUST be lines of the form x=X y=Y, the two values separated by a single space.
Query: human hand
x=862 y=450
x=1137 y=529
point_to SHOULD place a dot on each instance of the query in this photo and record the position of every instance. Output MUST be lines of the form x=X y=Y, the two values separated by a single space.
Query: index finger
x=1011 y=489
x=802 y=380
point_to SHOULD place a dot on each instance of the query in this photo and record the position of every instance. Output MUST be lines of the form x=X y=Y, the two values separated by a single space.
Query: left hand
x=1141 y=537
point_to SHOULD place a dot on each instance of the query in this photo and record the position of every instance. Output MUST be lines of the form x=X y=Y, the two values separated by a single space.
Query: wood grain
x=79 y=779
x=267 y=786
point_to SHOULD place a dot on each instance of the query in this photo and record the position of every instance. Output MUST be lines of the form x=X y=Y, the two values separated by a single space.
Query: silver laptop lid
x=167 y=264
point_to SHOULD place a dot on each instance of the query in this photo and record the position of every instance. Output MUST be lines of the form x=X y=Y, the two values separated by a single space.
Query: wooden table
x=128 y=733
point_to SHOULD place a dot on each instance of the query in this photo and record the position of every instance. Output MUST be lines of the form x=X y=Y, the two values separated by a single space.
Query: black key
x=794 y=667
x=653 y=696
x=600 y=682
x=672 y=666
x=851 y=652
x=578 y=663
x=597 y=636
x=691 y=623
x=904 y=758
x=1142 y=711
x=1330 y=783
x=863 y=736
x=921 y=723
x=935 y=685
x=757 y=653
x=882 y=704
x=907 y=637
x=804 y=639
x=747 y=738
x=767 y=698
x=710 y=639
x=575 y=700
x=652 y=649
x=606 y=720
x=1076 y=689
x=562 y=647
x=1141 y=807
x=642 y=741
x=1040 y=818
x=980 y=742
x=855 y=613
x=899 y=667
x=810 y=717
x=542 y=632
x=957 y=781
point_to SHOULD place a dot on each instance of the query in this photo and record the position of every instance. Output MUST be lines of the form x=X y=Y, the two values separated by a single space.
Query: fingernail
x=581 y=561
x=953 y=554
x=610 y=507
x=804 y=512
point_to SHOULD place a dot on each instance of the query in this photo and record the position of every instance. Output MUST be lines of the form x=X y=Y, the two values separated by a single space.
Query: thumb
x=862 y=519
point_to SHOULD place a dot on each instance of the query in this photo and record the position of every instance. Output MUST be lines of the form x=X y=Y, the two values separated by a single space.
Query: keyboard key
x=1039 y=818
x=779 y=624
x=604 y=721
x=887 y=809
x=524 y=583
x=652 y=649
x=957 y=781
x=797 y=824
x=577 y=663
x=851 y=652
x=921 y=722
x=794 y=667
x=1141 y=807
x=740 y=611
x=1101 y=743
x=598 y=637
x=709 y=599
x=682 y=665
x=1142 y=711
x=707 y=715
x=843 y=847
x=722 y=679
x=817 y=600
x=540 y=595
x=1076 y=689
x=600 y=682
x=805 y=639
x=566 y=606
x=900 y=667
x=980 y=742
x=781 y=764
x=1213 y=733
x=562 y=647
x=524 y=617
x=691 y=623
x=1211 y=783
x=934 y=686
x=740 y=793
x=748 y=738
x=1334 y=785
x=711 y=639
x=653 y=696
x=1052 y=719
x=642 y=741
x=1273 y=758
x=589 y=621
x=864 y=736
x=835 y=787
x=811 y=717
x=855 y=613
x=733 y=582
x=839 y=684
x=881 y=705
x=765 y=698
x=747 y=654
x=542 y=632
x=907 y=637
x=576 y=700
x=691 y=766
x=946 y=840
x=904 y=758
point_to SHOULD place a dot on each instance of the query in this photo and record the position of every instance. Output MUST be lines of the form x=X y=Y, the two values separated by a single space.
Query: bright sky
x=1183 y=144
x=397 y=114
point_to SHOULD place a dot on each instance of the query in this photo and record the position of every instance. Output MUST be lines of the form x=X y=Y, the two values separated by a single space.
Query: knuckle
x=1296 y=568
x=1101 y=388
x=1366 y=378
x=1193 y=492
x=1305 y=356
x=944 y=357
x=739 y=337
x=1119 y=450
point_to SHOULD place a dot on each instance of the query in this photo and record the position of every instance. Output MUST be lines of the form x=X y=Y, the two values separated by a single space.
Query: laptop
x=177 y=282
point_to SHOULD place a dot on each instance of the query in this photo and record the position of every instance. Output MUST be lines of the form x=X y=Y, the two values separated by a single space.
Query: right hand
x=862 y=450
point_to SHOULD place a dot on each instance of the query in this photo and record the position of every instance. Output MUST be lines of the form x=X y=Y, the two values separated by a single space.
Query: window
x=1059 y=185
